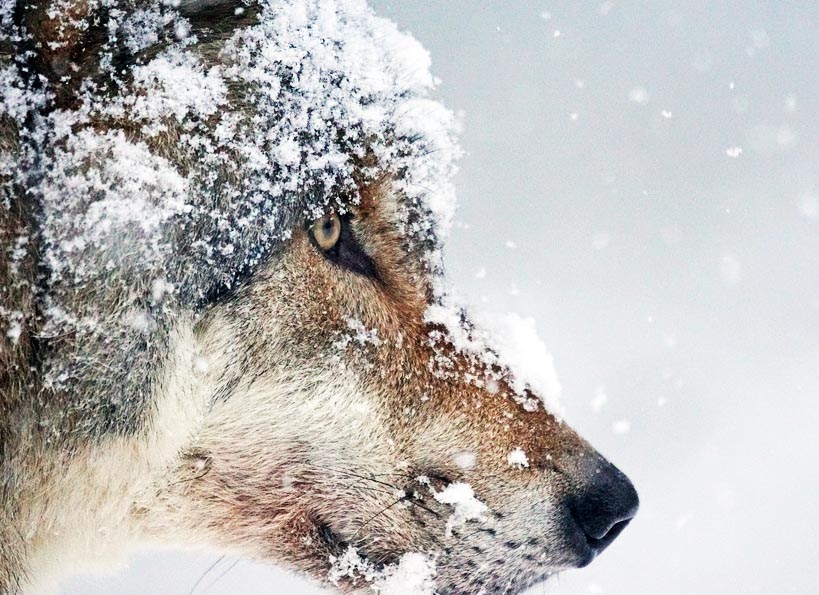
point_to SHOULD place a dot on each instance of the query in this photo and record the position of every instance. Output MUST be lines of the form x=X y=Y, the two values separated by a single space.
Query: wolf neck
x=81 y=511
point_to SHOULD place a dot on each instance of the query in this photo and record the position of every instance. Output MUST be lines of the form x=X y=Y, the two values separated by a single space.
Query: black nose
x=605 y=505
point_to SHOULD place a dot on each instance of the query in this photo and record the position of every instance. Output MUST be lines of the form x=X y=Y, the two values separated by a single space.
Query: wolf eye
x=326 y=231
x=333 y=235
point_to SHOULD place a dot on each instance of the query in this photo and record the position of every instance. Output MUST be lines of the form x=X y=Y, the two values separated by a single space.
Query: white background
x=680 y=282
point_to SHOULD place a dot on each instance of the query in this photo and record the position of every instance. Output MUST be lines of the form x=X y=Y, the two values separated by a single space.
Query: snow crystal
x=599 y=399
x=733 y=152
x=359 y=334
x=730 y=269
x=159 y=288
x=683 y=520
x=350 y=565
x=622 y=426
x=14 y=331
x=467 y=507
x=601 y=240
x=517 y=458
x=638 y=95
x=175 y=84
x=16 y=100
x=201 y=365
x=809 y=206
x=760 y=39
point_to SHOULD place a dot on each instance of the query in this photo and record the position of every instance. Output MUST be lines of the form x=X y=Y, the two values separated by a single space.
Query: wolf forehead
x=148 y=146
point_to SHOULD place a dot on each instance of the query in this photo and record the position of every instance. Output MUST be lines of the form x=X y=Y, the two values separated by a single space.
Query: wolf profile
x=223 y=320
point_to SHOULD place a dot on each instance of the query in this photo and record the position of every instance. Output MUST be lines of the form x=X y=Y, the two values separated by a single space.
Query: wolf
x=224 y=320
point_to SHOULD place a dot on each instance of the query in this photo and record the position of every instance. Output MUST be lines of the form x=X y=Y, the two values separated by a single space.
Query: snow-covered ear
x=58 y=33
x=74 y=40
x=217 y=19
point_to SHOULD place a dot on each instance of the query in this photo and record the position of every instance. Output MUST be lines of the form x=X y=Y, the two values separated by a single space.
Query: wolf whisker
x=207 y=571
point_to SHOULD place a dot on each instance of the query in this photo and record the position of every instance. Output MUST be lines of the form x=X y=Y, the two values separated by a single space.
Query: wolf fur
x=180 y=364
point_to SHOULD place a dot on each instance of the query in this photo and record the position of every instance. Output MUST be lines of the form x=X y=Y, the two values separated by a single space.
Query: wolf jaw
x=184 y=365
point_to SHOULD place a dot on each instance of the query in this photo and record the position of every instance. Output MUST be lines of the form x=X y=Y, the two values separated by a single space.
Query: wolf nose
x=605 y=506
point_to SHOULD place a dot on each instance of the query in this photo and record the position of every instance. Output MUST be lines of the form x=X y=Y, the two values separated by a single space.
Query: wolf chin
x=223 y=321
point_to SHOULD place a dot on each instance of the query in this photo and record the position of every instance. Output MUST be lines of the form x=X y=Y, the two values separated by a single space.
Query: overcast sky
x=656 y=166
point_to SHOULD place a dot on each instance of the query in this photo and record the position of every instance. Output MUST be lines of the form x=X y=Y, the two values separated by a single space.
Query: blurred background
x=641 y=178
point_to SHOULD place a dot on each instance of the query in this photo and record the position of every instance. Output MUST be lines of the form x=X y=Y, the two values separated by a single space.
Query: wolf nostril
x=605 y=506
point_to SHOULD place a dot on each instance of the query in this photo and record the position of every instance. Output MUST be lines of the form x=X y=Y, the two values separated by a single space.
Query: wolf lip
x=587 y=547
x=602 y=543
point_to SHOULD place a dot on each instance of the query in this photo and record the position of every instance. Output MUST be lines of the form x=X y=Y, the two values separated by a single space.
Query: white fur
x=84 y=517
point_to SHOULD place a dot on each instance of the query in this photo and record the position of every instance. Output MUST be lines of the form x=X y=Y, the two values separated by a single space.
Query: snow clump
x=467 y=507
x=517 y=458
x=413 y=575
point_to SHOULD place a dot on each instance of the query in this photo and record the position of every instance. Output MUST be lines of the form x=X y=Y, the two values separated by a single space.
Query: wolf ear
x=60 y=34
x=71 y=40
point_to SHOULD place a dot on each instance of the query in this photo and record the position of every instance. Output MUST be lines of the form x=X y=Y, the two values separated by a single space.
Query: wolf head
x=232 y=329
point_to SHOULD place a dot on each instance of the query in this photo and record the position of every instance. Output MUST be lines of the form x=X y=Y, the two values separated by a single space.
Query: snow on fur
x=339 y=98
x=501 y=347
x=413 y=575
x=333 y=98
x=466 y=506
x=517 y=458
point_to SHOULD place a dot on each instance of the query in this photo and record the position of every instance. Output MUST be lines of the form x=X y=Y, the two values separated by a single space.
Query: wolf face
x=337 y=423
x=237 y=320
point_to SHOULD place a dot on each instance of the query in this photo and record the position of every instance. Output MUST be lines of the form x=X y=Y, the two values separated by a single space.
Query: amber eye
x=326 y=231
